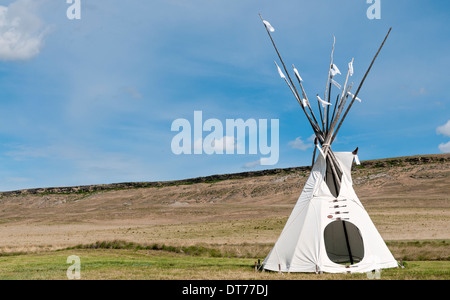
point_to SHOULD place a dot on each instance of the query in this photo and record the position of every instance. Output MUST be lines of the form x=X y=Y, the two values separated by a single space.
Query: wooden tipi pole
x=359 y=87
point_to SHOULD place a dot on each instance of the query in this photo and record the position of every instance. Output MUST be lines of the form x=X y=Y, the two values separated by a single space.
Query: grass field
x=122 y=264
x=120 y=260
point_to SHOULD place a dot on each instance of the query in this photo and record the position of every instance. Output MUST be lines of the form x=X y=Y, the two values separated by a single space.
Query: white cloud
x=420 y=92
x=133 y=92
x=263 y=161
x=311 y=138
x=21 y=31
x=444 y=129
x=22 y=152
x=227 y=142
x=444 y=148
x=252 y=164
x=217 y=145
x=198 y=145
x=299 y=144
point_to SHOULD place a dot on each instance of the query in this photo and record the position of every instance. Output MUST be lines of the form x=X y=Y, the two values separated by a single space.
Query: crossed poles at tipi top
x=326 y=134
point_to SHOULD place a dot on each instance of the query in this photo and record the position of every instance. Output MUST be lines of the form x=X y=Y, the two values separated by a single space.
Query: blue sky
x=92 y=101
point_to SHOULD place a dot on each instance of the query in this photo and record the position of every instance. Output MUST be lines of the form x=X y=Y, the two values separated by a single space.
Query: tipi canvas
x=329 y=230
x=331 y=234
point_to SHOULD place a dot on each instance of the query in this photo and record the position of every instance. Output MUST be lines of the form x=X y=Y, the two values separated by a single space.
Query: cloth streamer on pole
x=323 y=102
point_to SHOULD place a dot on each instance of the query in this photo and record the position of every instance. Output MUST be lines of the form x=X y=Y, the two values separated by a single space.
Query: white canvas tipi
x=329 y=230
x=327 y=233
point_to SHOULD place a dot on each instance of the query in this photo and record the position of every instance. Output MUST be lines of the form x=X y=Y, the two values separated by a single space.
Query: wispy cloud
x=133 y=92
x=252 y=164
x=444 y=147
x=217 y=145
x=298 y=143
x=419 y=92
x=24 y=152
x=21 y=31
x=256 y=163
x=93 y=165
x=444 y=129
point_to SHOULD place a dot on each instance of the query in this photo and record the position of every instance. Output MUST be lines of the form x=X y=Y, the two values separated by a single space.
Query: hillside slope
x=407 y=198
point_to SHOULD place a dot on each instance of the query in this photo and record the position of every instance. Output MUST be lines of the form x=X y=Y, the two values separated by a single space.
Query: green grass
x=421 y=250
x=120 y=264
x=133 y=263
x=193 y=250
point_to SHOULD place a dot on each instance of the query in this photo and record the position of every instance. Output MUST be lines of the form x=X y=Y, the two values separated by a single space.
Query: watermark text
x=74 y=270
x=74 y=10
x=374 y=10
x=230 y=138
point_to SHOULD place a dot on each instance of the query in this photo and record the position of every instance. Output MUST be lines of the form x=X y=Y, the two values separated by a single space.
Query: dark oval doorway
x=343 y=242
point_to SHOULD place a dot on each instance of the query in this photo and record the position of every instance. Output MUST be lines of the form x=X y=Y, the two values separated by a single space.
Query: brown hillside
x=407 y=198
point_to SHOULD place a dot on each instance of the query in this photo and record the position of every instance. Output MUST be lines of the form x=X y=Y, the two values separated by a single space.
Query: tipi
x=328 y=230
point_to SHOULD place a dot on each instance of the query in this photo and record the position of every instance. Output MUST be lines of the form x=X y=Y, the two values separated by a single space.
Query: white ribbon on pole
x=297 y=74
x=280 y=72
x=270 y=27
x=305 y=102
x=323 y=102
x=335 y=84
x=353 y=96
x=334 y=70
x=350 y=67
